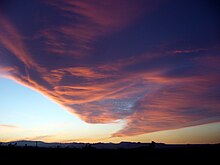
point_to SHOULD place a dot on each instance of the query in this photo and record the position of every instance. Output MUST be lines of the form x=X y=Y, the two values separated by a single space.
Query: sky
x=110 y=71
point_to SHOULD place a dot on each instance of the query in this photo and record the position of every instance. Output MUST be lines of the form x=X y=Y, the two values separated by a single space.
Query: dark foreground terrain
x=208 y=154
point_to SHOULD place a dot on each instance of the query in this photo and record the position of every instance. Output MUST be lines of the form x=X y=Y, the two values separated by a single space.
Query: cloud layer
x=117 y=60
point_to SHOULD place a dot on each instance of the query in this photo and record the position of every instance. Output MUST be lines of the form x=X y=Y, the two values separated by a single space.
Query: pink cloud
x=8 y=126
x=188 y=51
x=93 y=19
x=13 y=41
x=177 y=104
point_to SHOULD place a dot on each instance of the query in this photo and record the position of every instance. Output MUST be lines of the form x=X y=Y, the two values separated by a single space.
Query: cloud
x=63 y=58
x=8 y=126
x=92 y=19
x=13 y=42
x=6 y=70
x=188 y=51
x=175 y=105
x=43 y=137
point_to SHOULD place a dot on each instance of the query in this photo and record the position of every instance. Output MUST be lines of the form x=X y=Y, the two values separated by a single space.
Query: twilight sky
x=111 y=70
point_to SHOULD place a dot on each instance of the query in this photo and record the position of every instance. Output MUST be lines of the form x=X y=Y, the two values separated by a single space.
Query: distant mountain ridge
x=122 y=145
x=125 y=145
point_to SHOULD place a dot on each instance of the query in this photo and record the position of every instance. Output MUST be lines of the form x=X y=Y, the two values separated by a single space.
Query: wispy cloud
x=39 y=137
x=92 y=19
x=8 y=126
x=174 y=105
x=11 y=39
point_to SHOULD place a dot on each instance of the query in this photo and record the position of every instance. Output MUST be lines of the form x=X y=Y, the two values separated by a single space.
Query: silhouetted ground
x=207 y=154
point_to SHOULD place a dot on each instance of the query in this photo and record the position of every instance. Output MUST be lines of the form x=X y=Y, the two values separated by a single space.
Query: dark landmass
x=29 y=152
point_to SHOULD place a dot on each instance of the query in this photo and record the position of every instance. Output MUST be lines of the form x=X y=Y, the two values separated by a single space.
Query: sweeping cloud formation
x=154 y=64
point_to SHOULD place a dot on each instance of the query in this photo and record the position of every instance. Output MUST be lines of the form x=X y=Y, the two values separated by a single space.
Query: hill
x=106 y=153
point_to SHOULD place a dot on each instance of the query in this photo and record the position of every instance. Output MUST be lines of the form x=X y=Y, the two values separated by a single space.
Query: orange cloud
x=7 y=70
x=13 y=42
x=177 y=104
